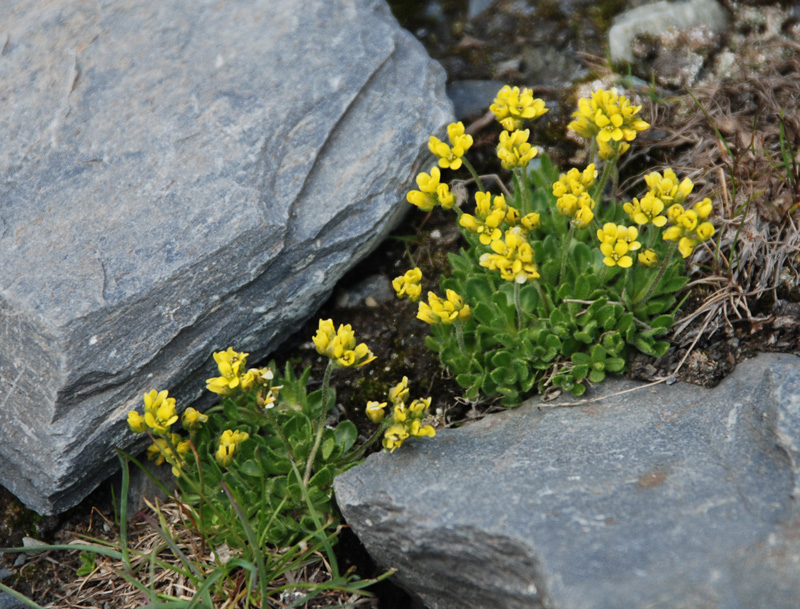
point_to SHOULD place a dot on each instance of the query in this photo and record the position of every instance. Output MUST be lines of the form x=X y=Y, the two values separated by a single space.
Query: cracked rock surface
x=668 y=496
x=177 y=178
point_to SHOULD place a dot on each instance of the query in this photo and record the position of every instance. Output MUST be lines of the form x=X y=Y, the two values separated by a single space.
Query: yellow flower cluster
x=573 y=198
x=228 y=443
x=406 y=421
x=616 y=242
x=689 y=226
x=512 y=257
x=511 y=107
x=159 y=416
x=408 y=284
x=431 y=193
x=450 y=156
x=491 y=214
x=340 y=345
x=514 y=151
x=441 y=311
x=233 y=376
x=611 y=119
x=162 y=450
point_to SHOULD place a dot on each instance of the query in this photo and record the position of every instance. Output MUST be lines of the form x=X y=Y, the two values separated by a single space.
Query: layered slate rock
x=667 y=496
x=177 y=178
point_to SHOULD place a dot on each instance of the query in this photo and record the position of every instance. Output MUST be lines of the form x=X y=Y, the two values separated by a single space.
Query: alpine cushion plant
x=560 y=280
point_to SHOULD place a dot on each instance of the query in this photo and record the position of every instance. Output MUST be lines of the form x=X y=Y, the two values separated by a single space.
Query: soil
x=705 y=351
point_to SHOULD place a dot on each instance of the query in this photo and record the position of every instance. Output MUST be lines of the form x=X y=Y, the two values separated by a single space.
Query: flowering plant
x=559 y=280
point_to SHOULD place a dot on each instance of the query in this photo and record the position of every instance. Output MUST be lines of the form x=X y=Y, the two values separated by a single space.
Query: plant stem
x=518 y=306
x=460 y=338
x=565 y=249
x=545 y=302
x=326 y=381
x=598 y=190
x=474 y=173
x=522 y=186
x=656 y=280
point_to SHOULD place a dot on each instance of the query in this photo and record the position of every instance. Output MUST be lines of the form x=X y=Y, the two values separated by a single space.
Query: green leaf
x=478 y=290
x=579 y=372
x=578 y=389
x=327 y=448
x=251 y=468
x=597 y=376
x=660 y=348
x=662 y=321
x=615 y=364
x=346 y=434
x=597 y=354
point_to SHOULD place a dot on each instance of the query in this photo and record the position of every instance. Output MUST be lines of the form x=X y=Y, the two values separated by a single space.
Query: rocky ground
x=733 y=311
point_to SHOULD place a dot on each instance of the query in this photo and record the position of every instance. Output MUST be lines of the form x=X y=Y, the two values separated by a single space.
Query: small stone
x=655 y=18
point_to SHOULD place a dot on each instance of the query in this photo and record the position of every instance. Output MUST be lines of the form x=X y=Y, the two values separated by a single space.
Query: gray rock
x=656 y=18
x=472 y=98
x=373 y=291
x=9 y=602
x=677 y=497
x=177 y=178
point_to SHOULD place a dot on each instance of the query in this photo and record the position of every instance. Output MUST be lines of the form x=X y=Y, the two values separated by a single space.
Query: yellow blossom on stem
x=608 y=116
x=192 y=419
x=229 y=442
x=394 y=437
x=407 y=285
x=340 y=345
x=646 y=211
x=689 y=227
x=231 y=366
x=512 y=257
x=667 y=188
x=136 y=422
x=648 y=258
x=616 y=241
x=490 y=213
x=399 y=393
x=161 y=451
x=450 y=156
x=159 y=411
x=418 y=430
x=514 y=150
x=431 y=193
x=572 y=195
x=511 y=107
x=375 y=411
x=443 y=311
x=611 y=149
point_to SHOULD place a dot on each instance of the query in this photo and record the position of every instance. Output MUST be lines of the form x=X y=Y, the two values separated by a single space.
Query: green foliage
x=575 y=323
x=283 y=496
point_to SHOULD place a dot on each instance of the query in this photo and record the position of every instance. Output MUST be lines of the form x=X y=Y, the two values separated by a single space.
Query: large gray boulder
x=668 y=496
x=176 y=178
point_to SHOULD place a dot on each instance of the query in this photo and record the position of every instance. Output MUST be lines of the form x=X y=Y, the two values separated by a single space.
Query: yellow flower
x=231 y=366
x=192 y=419
x=419 y=407
x=512 y=257
x=444 y=311
x=375 y=411
x=340 y=345
x=611 y=150
x=616 y=241
x=431 y=193
x=229 y=442
x=572 y=195
x=490 y=214
x=394 y=437
x=667 y=188
x=400 y=413
x=609 y=117
x=514 y=150
x=450 y=156
x=266 y=399
x=159 y=411
x=161 y=451
x=399 y=393
x=530 y=221
x=420 y=431
x=407 y=285
x=136 y=422
x=646 y=211
x=687 y=228
x=511 y=107
x=648 y=258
